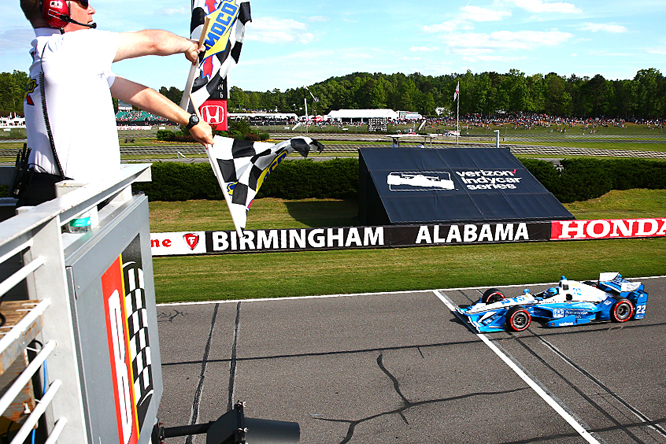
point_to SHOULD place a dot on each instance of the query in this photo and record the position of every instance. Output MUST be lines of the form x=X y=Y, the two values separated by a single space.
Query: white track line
x=346 y=295
x=529 y=381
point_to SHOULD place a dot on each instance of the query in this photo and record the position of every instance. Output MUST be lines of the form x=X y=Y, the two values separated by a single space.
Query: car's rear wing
x=615 y=282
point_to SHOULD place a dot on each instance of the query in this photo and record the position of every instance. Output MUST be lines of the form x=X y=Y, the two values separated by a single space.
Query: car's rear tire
x=492 y=295
x=518 y=319
x=622 y=311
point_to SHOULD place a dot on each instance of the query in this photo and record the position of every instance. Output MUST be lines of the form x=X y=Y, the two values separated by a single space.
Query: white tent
x=265 y=116
x=361 y=114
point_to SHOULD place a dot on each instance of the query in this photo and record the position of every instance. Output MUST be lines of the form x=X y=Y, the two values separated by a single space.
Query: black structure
x=234 y=428
x=425 y=185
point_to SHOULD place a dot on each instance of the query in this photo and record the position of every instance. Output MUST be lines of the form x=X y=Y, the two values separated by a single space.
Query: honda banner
x=607 y=229
x=214 y=112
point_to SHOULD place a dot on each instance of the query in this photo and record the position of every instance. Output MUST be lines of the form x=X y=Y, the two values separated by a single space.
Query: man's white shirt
x=77 y=72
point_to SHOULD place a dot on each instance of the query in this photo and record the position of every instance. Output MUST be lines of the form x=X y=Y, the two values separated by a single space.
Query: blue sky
x=301 y=42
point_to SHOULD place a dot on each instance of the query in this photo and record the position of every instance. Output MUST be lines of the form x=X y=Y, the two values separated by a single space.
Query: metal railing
x=33 y=254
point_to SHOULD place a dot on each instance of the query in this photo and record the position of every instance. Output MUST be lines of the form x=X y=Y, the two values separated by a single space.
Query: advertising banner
x=178 y=243
x=453 y=185
x=607 y=229
x=391 y=236
x=299 y=239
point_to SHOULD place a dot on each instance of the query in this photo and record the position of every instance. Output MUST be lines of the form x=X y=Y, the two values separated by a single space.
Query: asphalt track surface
x=401 y=367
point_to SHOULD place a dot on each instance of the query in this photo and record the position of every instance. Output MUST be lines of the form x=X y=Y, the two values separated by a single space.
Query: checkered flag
x=223 y=41
x=137 y=324
x=241 y=167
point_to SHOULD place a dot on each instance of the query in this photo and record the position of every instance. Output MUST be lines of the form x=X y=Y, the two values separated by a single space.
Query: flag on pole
x=223 y=41
x=316 y=99
x=455 y=94
x=242 y=166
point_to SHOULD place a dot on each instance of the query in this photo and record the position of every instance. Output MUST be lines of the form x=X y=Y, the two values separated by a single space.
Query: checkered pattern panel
x=137 y=323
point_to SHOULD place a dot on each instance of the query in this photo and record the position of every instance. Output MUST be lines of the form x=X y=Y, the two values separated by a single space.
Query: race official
x=74 y=60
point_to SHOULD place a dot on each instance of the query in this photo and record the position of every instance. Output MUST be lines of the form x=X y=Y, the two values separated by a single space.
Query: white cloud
x=275 y=30
x=478 y=14
x=606 y=27
x=658 y=51
x=491 y=58
x=463 y=21
x=447 y=26
x=16 y=40
x=318 y=19
x=423 y=48
x=477 y=44
x=183 y=11
x=539 y=6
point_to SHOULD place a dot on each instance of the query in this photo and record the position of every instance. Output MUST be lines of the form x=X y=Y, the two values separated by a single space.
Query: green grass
x=273 y=275
x=259 y=275
x=203 y=215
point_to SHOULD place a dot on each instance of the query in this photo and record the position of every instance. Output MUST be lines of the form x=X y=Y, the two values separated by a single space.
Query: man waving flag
x=241 y=167
x=223 y=40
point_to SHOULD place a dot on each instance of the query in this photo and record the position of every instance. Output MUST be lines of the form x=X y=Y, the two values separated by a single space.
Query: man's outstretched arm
x=154 y=42
x=150 y=100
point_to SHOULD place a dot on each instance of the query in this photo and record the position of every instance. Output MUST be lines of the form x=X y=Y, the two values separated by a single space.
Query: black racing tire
x=622 y=311
x=492 y=295
x=518 y=319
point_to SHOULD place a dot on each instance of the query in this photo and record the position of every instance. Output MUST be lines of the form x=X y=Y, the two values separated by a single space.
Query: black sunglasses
x=84 y=3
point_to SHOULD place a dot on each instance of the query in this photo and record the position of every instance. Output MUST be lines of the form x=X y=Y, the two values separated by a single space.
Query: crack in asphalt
x=406 y=403
x=202 y=375
x=169 y=317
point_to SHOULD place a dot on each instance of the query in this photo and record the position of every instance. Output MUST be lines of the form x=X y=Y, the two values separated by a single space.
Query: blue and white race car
x=570 y=303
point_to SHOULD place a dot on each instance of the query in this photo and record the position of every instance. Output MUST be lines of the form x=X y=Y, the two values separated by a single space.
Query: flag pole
x=184 y=101
x=458 y=113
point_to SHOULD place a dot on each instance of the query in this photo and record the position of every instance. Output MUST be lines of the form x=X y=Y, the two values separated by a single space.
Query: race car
x=613 y=298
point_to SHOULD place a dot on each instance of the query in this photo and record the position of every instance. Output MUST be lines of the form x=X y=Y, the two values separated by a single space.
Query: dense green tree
x=558 y=99
x=173 y=94
x=487 y=93
x=12 y=91
x=650 y=90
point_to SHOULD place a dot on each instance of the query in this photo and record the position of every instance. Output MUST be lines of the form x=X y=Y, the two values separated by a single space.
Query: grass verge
x=261 y=275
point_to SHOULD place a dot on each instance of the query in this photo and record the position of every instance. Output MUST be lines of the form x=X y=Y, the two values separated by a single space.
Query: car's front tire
x=492 y=295
x=518 y=319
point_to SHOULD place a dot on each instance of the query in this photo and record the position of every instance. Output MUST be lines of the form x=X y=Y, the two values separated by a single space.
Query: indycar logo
x=419 y=181
x=191 y=239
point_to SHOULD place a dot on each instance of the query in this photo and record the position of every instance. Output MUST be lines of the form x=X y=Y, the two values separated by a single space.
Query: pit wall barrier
x=392 y=236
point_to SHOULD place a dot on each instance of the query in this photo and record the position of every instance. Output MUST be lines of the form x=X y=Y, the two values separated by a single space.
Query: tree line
x=488 y=93
x=12 y=90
